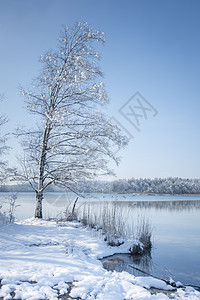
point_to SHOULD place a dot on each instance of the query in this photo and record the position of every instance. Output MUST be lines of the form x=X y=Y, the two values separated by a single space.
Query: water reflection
x=170 y=205
x=142 y=262
x=138 y=265
x=161 y=205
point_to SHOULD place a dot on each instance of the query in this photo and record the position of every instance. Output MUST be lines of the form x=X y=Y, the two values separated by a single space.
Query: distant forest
x=150 y=186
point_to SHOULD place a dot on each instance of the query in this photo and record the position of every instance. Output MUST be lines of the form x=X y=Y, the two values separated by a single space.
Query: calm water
x=176 y=230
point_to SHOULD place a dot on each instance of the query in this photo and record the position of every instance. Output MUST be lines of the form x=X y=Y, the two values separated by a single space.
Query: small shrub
x=3 y=218
x=7 y=211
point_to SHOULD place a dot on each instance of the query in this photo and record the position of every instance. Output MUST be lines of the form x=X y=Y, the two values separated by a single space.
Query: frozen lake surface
x=176 y=229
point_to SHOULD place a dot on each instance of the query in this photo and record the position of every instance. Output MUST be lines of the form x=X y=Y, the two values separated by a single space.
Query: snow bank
x=38 y=260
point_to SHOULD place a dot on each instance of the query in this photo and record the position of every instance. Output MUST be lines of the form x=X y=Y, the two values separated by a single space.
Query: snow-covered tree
x=74 y=139
x=3 y=165
x=3 y=147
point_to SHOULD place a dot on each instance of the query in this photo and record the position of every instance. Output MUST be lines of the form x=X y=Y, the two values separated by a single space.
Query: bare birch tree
x=74 y=139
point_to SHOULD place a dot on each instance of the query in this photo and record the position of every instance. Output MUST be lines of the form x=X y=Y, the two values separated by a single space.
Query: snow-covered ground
x=40 y=260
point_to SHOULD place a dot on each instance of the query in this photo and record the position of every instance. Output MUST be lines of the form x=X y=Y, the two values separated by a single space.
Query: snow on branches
x=74 y=140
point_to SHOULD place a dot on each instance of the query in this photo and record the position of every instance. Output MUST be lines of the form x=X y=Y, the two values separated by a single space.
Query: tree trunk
x=38 y=208
x=39 y=193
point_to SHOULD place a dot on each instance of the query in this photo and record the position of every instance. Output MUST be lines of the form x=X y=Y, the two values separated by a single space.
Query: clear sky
x=152 y=47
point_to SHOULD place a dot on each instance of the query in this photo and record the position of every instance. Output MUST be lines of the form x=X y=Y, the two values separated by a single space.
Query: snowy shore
x=39 y=259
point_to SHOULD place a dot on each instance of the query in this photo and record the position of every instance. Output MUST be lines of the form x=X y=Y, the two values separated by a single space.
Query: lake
x=175 y=221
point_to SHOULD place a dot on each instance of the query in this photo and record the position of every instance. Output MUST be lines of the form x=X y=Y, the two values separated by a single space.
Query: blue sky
x=152 y=47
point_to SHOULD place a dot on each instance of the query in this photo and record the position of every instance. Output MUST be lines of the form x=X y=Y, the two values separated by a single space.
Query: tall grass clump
x=105 y=217
x=111 y=220
x=144 y=236
x=144 y=233
x=115 y=221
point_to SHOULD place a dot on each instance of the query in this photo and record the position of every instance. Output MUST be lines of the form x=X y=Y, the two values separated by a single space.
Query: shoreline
x=40 y=257
x=104 y=193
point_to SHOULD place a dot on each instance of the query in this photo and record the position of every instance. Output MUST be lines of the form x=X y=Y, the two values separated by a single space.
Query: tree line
x=168 y=185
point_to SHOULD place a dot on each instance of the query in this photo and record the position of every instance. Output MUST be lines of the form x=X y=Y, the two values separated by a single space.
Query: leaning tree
x=73 y=139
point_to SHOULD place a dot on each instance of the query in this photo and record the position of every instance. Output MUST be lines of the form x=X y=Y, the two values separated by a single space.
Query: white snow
x=39 y=260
